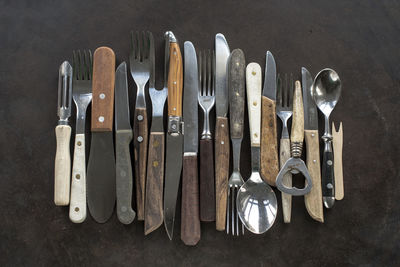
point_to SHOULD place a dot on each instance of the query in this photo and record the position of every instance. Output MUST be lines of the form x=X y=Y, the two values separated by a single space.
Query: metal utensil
x=236 y=84
x=82 y=95
x=312 y=200
x=326 y=90
x=256 y=201
x=123 y=138
x=153 y=209
x=190 y=219
x=206 y=101
x=140 y=66
x=173 y=166
x=101 y=167
x=296 y=147
x=284 y=110
x=62 y=166
x=221 y=147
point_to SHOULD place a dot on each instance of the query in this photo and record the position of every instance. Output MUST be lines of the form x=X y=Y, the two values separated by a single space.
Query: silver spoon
x=256 y=201
x=326 y=91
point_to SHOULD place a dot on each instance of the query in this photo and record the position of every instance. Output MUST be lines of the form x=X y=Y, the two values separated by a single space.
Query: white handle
x=77 y=207
x=62 y=168
x=253 y=84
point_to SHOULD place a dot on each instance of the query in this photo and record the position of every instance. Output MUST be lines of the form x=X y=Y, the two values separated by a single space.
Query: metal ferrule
x=296 y=149
x=206 y=134
x=255 y=159
x=175 y=125
x=236 y=144
x=171 y=37
x=63 y=122
x=327 y=142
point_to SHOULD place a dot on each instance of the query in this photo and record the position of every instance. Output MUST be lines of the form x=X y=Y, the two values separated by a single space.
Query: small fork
x=206 y=99
x=82 y=94
x=140 y=66
x=284 y=110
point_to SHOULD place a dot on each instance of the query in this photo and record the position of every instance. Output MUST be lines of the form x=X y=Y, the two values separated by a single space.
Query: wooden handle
x=337 y=158
x=154 y=183
x=221 y=170
x=124 y=179
x=313 y=200
x=236 y=83
x=175 y=81
x=297 y=134
x=253 y=85
x=77 y=207
x=62 y=168
x=140 y=138
x=207 y=182
x=269 y=142
x=284 y=154
x=103 y=89
x=190 y=221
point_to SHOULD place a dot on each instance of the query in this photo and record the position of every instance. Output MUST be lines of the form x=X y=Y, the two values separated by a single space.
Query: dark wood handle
x=154 y=183
x=175 y=81
x=221 y=170
x=190 y=221
x=269 y=146
x=103 y=89
x=140 y=138
x=207 y=182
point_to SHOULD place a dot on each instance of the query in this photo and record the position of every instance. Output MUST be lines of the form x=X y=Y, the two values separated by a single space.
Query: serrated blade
x=222 y=53
x=269 y=89
x=310 y=109
x=122 y=121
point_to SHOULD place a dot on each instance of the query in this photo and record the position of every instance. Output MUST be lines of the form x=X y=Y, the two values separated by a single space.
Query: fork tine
x=209 y=73
x=144 y=47
x=213 y=73
x=227 y=211
x=204 y=91
x=90 y=64
x=200 y=73
x=74 y=65
x=279 y=91
x=233 y=210
x=138 y=46
x=152 y=60
x=132 y=52
x=291 y=89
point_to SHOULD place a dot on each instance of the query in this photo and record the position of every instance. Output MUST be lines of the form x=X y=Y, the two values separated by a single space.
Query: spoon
x=256 y=201
x=326 y=91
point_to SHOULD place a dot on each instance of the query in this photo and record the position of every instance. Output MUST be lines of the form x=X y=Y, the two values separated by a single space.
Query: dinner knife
x=173 y=166
x=269 y=145
x=123 y=138
x=190 y=220
x=101 y=167
x=62 y=165
x=313 y=200
x=222 y=53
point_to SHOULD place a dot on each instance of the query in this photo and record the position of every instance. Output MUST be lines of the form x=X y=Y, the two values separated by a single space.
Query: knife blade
x=222 y=53
x=313 y=200
x=173 y=166
x=101 y=167
x=269 y=142
x=190 y=220
x=123 y=137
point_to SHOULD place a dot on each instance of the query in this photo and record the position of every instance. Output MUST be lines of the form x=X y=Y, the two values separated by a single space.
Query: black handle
x=328 y=179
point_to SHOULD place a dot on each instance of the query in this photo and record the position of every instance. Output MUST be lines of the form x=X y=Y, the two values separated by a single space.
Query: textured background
x=359 y=39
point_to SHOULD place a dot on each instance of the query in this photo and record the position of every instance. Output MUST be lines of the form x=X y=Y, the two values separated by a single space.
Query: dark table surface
x=359 y=39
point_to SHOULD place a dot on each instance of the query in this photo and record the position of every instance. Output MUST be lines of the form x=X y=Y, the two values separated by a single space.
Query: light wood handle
x=207 y=182
x=284 y=154
x=153 y=212
x=175 y=81
x=103 y=89
x=269 y=142
x=140 y=139
x=62 y=168
x=253 y=86
x=221 y=170
x=313 y=200
x=297 y=134
x=77 y=207
x=337 y=159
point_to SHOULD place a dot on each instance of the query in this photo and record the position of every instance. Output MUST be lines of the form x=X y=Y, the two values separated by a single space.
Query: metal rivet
x=255 y=103
x=101 y=119
x=174 y=82
x=102 y=96
x=76 y=209
x=79 y=143
x=155 y=163
x=237 y=63
x=140 y=117
x=254 y=73
x=329 y=186
x=174 y=52
x=312 y=135
x=78 y=176
x=314 y=160
x=329 y=162
x=140 y=139
x=123 y=209
x=222 y=142
x=255 y=135
x=156 y=143
x=222 y=125
x=174 y=108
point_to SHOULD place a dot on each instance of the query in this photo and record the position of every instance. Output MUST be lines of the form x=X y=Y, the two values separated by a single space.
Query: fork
x=236 y=84
x=140 y=66
x=284 y=110
x=206 y=99
x=82 y=94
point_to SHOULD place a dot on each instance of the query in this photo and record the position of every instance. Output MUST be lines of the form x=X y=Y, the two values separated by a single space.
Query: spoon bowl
x=326 y=90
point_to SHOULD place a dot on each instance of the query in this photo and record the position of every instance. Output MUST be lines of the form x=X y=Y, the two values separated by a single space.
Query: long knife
x=101 y=166
x=123 y=137
x=269 y=145
x=173 y=166
x=222 y=53
x=313 y=200
x=190 y=221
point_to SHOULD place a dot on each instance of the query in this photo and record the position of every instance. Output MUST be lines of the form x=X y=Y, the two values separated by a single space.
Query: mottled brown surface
x=207 y=181
x=359 y=39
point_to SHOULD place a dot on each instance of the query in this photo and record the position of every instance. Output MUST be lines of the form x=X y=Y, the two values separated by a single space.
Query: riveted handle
x=175 y=81
x=298 y=116
x=253 y=85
